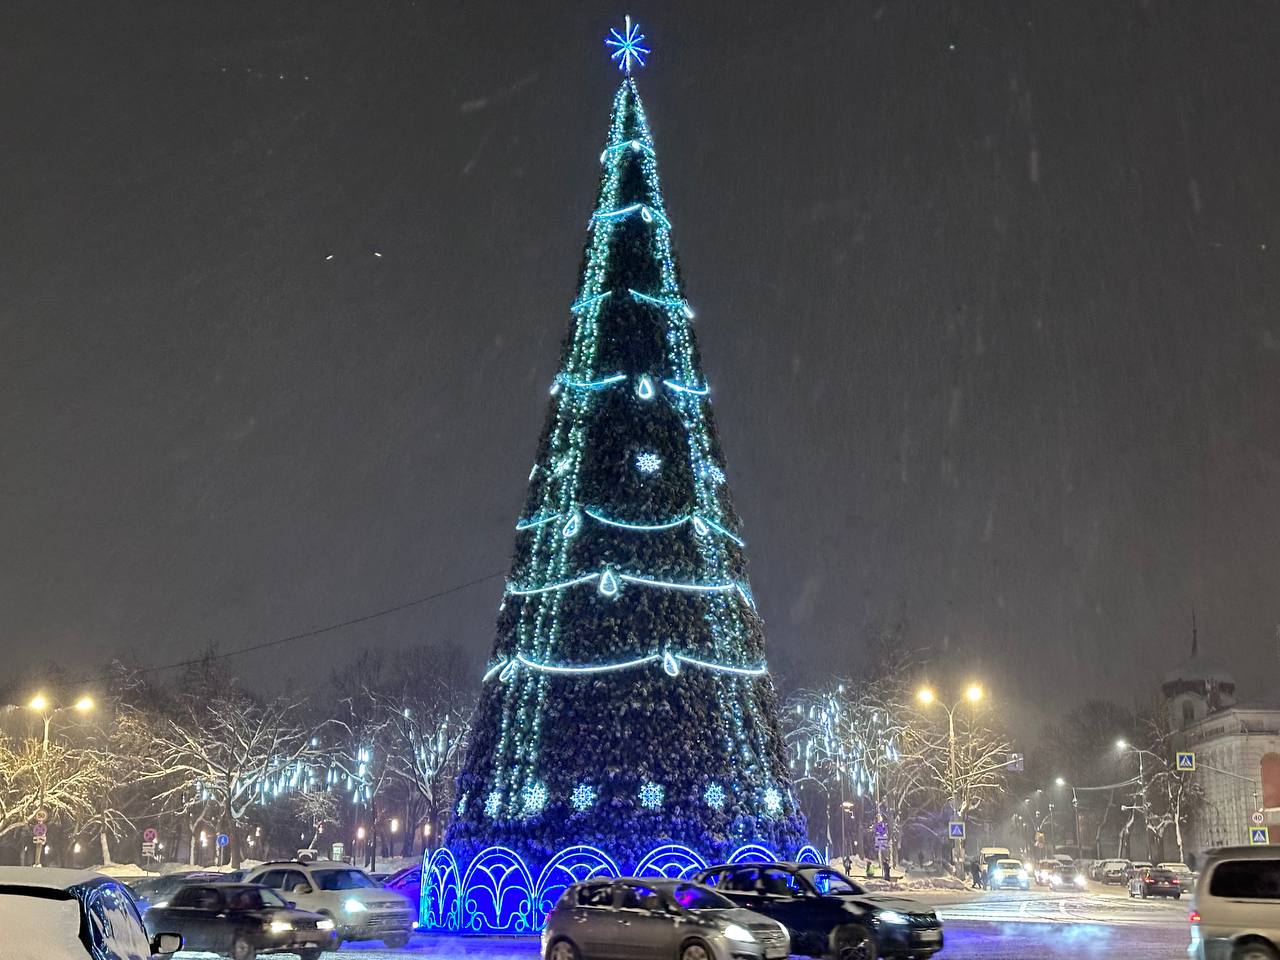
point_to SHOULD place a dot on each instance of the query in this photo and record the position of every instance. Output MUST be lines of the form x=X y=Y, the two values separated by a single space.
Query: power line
x=304 y=635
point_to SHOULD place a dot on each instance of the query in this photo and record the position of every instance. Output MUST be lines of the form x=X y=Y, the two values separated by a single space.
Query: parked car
x=826 y=913
x=1237 y=905
x=156 y=891
x=1136 y=867
x=359 y=908
x=658 y=918
x=407 y=883
x=1004 y=874
x=1044 y=869
x=241 y=921
x=1116 y=871
x=74 y=915
x=1064 y=877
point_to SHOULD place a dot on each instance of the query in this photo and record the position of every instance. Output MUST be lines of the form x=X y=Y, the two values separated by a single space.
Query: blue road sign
x=1259 y=836
x=1186 y=761
x=223 y=839
x=956 y=830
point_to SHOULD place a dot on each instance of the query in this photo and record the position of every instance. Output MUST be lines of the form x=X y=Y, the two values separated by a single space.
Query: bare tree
x=52 y=776
x=228 y=752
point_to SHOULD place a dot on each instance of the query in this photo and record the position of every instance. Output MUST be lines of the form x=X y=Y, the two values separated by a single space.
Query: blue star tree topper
x=628 y=46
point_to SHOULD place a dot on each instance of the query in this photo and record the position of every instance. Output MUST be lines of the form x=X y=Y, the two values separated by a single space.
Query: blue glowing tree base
x=497 y=891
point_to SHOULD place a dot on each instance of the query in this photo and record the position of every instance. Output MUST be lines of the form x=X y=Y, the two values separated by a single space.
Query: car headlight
x=735 y=932
x=160 y=904
x=997 y=874
x=1022 y=874
x=1080 y=881
x=280 y=926
x=324 y=924
x=891 y=916
x=354 y=906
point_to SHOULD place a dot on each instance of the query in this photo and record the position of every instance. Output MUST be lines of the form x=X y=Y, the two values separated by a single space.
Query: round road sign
x=223 y=839
x=1258 y=818
x=39 y=831
x=149 y=835
x=42 y=815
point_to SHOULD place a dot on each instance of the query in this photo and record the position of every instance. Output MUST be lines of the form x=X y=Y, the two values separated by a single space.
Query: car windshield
x=693 y=896
x=255 y=898
x=342 y=879
x=829 y=882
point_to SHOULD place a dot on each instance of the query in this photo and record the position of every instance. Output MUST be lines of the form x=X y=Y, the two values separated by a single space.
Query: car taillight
x=1174 y=881
x=1148 y=879
x=1194 y=917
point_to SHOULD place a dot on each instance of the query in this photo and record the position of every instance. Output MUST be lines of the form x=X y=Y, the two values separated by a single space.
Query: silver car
x=608 y=919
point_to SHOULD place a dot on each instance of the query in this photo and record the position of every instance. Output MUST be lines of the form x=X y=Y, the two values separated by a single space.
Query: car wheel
x=308 y=955
x=242 y=948
x=1254 y=951
x=854 y=943
x=1177 y=896
x=1144 y=893
x=396 y=941
x=695 y=950
x=563 y=950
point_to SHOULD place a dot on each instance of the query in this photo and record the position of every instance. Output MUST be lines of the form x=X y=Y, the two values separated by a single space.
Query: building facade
x=1237 y=748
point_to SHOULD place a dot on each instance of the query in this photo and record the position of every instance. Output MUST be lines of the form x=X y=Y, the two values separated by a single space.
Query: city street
x=1003 y=925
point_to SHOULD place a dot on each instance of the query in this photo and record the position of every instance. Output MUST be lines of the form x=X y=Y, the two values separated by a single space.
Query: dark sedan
x=1154 y=882
x=826 y=913
x=241 y=920
x=156 y=891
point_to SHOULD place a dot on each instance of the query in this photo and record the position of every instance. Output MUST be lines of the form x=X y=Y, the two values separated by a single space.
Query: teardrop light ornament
x=670 y=665
x=700 y=526
x=646 y=215
x=644 y=389
x=608 y=584
x=572 y=525
x=508 y=671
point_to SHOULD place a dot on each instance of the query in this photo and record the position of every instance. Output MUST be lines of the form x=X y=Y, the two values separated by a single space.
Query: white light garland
x=593 y=384
x=683 y=388
x=671 y=665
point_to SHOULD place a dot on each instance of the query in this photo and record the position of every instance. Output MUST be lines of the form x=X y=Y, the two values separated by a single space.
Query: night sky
x=987 y=295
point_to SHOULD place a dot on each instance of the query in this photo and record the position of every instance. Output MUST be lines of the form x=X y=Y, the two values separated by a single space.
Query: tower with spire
x=627 y=703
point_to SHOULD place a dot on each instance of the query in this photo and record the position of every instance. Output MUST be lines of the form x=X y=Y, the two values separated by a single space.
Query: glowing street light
x=359 y=833
x=84 y=704
x=973 y=694
x=39 y=702
x=395 y=824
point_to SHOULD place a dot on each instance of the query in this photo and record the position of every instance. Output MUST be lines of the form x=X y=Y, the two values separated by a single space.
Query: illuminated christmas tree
x=627 y=703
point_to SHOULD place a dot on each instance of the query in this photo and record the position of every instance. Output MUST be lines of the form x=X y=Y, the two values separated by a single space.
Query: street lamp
x=41 y=705
x=973 y=695
x=1075 y=808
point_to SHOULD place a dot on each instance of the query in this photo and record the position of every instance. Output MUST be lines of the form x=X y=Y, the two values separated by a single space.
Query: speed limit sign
x=1258 y=818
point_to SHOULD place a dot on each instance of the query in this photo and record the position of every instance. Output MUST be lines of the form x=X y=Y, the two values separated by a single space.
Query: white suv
x=359 y=907
x=1236 y=913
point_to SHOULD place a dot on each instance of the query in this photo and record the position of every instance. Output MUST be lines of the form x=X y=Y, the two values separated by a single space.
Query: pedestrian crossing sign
x=1186 y=761
x=1259 y=836
x=957 y=830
